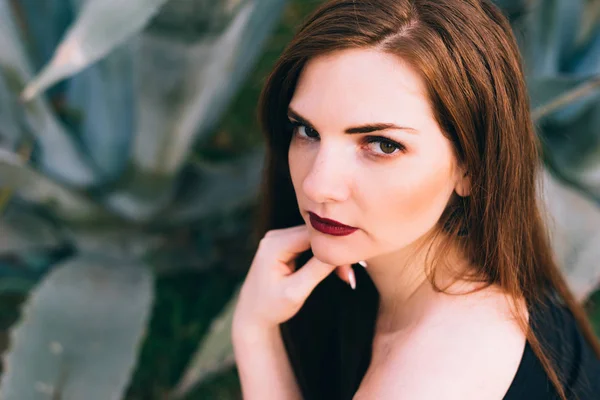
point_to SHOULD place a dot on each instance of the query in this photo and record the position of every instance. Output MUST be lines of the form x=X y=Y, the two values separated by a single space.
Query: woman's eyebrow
x=367 y=128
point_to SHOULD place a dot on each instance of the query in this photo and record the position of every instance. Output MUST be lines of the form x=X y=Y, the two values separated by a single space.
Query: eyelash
x=294 y=125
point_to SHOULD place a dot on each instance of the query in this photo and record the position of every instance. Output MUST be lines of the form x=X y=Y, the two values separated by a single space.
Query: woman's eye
x=307 y=131
x=386 y=147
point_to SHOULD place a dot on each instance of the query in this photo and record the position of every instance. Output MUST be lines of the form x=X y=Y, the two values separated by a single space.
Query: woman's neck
x=405 y=291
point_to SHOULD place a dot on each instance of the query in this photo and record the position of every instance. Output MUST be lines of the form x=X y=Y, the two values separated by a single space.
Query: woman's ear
x=463 y=184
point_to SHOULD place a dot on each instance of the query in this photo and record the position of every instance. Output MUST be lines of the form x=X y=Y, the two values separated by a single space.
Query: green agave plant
x=101 y=102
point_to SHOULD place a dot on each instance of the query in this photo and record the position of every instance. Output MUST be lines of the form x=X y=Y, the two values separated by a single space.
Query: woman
x=407 y=122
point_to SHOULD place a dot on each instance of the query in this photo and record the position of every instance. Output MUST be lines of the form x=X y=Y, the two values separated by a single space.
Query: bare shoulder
x=470 y=347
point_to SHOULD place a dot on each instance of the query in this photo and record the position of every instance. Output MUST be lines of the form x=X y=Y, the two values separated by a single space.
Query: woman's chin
x=330 y=254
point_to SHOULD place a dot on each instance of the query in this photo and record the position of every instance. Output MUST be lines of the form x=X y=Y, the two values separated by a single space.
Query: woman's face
x=392 y=184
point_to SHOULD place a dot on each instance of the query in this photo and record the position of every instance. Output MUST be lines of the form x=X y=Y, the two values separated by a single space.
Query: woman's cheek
x=412 y=202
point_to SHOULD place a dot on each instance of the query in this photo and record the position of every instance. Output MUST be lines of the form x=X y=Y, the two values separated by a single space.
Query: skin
x=395 y=196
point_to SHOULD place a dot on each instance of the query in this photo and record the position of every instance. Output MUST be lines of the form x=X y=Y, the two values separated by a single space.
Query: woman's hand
x=273 y=291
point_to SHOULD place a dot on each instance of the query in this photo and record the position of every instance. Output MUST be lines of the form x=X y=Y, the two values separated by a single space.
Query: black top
x=329 y=345
x=578 y=366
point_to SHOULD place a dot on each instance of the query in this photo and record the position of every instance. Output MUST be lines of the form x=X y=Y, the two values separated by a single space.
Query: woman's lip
x=330 y=221
x=330 y=229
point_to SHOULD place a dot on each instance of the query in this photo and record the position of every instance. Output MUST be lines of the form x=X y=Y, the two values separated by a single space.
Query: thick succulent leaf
x=103 y=95
x=80 y=332
x=194 y=78
x=585 y=59
x=562 y=99
x=574 y=221
x=572 y=148
x=18 y=285
x=36 y=188
x=57 y=154
x=45 y=23
x=214 y=354
x=216 y=188
x=10 y=124
x=559 y=39
x=556 y=37
x=205 y=189
x=553 y=26
x=196 y=62
x=140 y=195
x=23 y=231
x=33 y=261
x=116 y=239
x=510 y=5
x=100 y=26
x=587 y=63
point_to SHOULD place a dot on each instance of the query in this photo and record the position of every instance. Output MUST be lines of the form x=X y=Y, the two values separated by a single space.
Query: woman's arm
x=272 y=293
x=263 y=365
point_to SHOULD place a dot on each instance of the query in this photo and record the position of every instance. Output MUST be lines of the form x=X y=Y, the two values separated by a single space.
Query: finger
x=292 y=266
x=342 y=272
x=302 y=282
x=346 y=273
x=289 y=243
x=283 y=231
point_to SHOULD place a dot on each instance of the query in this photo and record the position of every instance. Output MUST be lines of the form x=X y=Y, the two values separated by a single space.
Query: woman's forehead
x=360 y=86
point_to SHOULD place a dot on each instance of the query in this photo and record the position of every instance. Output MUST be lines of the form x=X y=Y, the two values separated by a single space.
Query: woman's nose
x=328 y=178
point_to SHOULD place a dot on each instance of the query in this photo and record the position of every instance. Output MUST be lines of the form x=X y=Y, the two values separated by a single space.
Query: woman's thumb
x=301 y=283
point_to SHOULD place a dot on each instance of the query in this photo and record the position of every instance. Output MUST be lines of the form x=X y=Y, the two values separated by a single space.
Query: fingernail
x=364 y=264
x=352 y=279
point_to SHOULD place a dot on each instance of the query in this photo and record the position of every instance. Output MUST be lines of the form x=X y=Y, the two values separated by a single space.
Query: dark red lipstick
x=329 y=226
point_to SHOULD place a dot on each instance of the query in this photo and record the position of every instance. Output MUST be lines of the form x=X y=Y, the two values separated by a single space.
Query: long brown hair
x=470 y=64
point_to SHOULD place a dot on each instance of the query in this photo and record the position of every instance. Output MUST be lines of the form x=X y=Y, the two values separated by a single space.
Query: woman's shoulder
x=471 y=345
